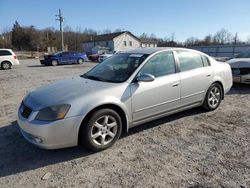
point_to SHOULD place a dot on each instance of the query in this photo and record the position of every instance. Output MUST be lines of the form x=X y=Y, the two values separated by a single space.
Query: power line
x=60 y=18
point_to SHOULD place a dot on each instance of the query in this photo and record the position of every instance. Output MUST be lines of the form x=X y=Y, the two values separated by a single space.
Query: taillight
x=14 y=56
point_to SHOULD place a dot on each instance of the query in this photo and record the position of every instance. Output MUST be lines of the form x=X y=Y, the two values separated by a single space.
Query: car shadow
x=37 y=66
x=239 y=89
x=17 y=155
x=166 y=119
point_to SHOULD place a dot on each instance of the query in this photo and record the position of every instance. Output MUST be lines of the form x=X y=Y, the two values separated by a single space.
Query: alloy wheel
x=214 y=97
x=104 y=130
x=6 y=65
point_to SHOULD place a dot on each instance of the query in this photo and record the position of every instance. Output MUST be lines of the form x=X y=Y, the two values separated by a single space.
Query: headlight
x=53 y=113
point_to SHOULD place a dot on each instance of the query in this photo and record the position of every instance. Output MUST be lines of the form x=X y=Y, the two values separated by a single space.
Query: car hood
x=63 y=92
x=239 y=63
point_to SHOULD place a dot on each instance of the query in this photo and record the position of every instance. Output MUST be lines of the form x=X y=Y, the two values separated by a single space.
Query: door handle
x=176 y=84
x=208 y=75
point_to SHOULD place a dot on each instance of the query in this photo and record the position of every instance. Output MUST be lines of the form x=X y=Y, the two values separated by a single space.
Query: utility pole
x=60 y=19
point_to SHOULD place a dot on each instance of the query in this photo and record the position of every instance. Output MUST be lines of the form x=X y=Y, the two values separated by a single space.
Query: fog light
x=34 y=138
x=38 y=140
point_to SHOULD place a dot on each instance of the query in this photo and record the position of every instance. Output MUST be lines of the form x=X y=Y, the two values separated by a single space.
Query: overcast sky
x=185 y=18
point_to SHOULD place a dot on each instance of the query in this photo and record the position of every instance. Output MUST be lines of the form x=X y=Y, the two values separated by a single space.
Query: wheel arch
x=6 y=60
x=114 y=107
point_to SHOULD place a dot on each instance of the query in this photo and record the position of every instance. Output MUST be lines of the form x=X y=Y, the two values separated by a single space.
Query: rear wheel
x=6 y=65
x=54 y=63
x=213 y=97
x=102 y=130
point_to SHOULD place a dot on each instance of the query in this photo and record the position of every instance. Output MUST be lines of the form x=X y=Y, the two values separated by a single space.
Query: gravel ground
x=189 y=149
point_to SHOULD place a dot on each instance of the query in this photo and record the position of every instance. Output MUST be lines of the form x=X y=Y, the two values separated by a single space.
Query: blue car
x=64 y=57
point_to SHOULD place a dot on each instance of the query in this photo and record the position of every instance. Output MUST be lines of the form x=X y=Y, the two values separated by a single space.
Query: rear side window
x=189 y=60
x=205 y=61
x=4 y=52
x=160 y=65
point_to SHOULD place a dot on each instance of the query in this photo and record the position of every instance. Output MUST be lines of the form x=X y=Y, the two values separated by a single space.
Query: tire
x=6 y=65
x=54 y=63
x=102 y=130
x=80 y=61
x=213 y=97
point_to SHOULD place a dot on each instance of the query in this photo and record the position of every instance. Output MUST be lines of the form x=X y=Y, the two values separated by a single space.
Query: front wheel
x=54 y=63
x=80 y=61
x=213 y=97
x=102 y=130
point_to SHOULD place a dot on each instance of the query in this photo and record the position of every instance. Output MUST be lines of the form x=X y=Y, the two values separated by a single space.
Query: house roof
x=109 y=36
x=151 y=41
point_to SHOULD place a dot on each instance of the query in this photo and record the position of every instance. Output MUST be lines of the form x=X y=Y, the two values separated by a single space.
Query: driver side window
x=161 y=64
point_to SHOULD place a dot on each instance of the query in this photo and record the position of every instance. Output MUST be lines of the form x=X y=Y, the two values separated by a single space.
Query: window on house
x=107 y=43
x=124 y=43
x=130 y=43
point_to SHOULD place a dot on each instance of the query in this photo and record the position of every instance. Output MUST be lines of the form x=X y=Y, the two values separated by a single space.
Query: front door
x=64 y=58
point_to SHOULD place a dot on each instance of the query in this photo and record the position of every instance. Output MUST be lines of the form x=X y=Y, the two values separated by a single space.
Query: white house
x=119 y=41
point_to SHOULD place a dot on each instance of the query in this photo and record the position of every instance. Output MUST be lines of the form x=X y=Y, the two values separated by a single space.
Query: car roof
x=153 y=50
x=5 y=49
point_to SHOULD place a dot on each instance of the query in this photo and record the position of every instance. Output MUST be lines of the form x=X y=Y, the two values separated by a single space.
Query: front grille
x=25 y=111
x=241 y=71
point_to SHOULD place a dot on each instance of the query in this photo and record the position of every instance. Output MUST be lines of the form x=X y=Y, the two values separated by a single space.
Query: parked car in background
x=64 y=57
x=7 y=59
x=104 y=56
x=241 y=67
x=126 y=90
x=94 y=57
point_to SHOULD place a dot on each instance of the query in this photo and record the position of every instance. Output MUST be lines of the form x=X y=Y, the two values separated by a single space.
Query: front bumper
x=46 y=62
x=51 y=135
x=245 y=79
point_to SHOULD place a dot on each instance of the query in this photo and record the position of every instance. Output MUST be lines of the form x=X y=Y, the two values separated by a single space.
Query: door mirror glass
x=145 y=78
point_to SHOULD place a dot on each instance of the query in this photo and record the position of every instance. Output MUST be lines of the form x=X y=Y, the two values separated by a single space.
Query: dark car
x=94 y=57
x=65 y=57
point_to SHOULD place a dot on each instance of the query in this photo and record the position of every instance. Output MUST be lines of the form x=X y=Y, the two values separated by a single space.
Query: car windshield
x=58 y=53
x=118 y=68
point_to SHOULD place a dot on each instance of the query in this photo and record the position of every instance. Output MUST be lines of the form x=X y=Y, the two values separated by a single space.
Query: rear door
x=195 y=75
x=150 y=99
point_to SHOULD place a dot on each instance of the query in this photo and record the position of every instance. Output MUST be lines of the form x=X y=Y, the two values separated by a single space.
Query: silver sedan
x=126 y=90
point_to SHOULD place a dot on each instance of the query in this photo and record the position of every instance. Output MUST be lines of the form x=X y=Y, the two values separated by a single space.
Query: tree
x=191 y=41
x=223 y=37
x=236 y=39
x=208 y=40
x=18 y=36
x=144 y=36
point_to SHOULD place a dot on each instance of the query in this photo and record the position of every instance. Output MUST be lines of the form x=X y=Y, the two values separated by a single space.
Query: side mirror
x=145 y=78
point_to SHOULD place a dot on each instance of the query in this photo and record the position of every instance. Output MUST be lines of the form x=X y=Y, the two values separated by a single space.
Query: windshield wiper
x=92 y=77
